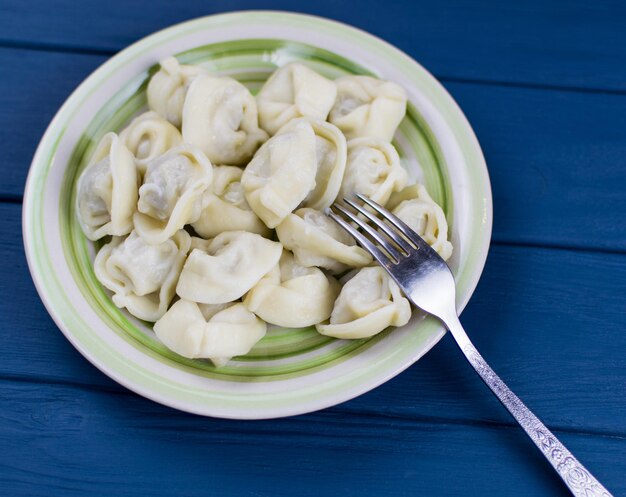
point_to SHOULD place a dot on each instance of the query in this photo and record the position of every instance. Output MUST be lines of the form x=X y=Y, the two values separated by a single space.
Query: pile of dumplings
x=213 y=202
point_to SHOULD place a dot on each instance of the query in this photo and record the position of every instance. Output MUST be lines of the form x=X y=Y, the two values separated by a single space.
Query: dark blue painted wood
x=557 y=162
x=559 y=43
x=533 y=316
x=59 y=440
x=30 y=94
x=556 y=159
x=549 y=320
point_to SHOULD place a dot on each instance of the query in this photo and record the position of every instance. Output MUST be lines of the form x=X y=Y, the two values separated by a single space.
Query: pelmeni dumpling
x=142 y=277
x=416 y=208
x=373 y=169
x=294 y=91
x=368 y=303
x=232 y=264
x=282 y=173
x=224 y=206
x=292 y=295
x=148 y=136
x=171 y=194
x=107 y=190
x=368 y=106
x=231 y=332
x=331 y=155
x=316 y=240
x=168 y=87
x=220 y=117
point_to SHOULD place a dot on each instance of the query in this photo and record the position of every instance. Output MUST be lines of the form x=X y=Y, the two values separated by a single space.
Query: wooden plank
x=77 y=442
x=38 y=84
x=555 y=158
x=549 y=321
x=556 y=163
x=559 y=43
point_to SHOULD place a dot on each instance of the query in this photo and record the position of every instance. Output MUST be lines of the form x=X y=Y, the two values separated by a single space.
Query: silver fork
x=427 y=281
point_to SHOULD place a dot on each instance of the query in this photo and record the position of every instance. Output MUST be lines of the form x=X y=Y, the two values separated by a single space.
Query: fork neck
x=451 y=321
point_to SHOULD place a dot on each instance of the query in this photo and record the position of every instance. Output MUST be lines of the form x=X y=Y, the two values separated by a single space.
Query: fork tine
x=389 y=248
x=397 y=238
x=406 y=230
x=363 y=241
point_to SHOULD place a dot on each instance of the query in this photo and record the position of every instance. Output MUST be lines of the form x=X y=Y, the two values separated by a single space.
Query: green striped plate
x=289 y=371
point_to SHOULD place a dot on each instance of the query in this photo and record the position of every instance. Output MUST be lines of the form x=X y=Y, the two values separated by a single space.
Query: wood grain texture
x=556 y=159
x=534 y=317
x=60 y=440
x=558 y=43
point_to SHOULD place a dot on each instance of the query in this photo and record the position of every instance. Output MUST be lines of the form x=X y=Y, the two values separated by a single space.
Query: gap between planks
x=110 y=52
x=340 y=409
x=17 y=200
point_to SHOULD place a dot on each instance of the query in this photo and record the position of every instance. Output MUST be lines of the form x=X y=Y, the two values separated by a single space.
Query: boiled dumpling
x=331 y=154
x=373 y=169
x=316 y=240
x=232 y=264
x=282 y=173
x=168 y=87
x=292 y=295
x=220 y=117
x=224 y=206
x=142 y=277
x=230 y=332
x=107 y=190
x=171 y=194
x=368 y=106
x=368 y=303
x=148 y=136
x=416 y=208
x=294 y=91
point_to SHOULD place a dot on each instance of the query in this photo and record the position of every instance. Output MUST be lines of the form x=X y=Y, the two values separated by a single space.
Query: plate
x=290 y=371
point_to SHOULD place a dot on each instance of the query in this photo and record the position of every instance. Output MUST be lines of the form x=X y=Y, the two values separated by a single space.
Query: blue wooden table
x=544 y=85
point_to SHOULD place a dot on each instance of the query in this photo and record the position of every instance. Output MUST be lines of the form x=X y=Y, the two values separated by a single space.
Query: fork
x=427 y=282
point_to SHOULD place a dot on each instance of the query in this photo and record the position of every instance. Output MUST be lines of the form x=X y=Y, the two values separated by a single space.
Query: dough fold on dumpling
x=415 y=207
x=368 y=303
x=168 y=87
x=220 y=117
x=142 y=277
x=293 y=91
x=230 y=332
x=210 y=310
x=232 y=264
x=199 y=243
x=107 y=190
x=292 y=295
x=316 y=240
x=373 y=169
x=148 y=136
x=330 y=159
x=224 y=206
x=282 y=173
x=367 y=106
x=171 y=194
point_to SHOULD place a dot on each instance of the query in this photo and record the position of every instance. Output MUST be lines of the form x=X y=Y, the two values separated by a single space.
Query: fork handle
x=577 y=478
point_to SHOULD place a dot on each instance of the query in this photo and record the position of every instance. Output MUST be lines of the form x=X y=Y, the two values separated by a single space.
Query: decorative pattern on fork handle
x=575 y=476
